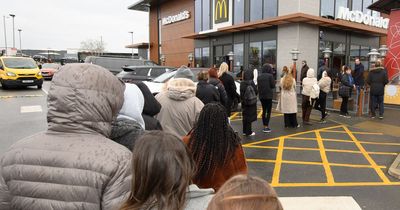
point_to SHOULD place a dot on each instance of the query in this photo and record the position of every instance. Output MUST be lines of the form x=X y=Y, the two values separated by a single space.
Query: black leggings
x=266 y=110
x=320 y=104
x=290 y=120
x=343 y=107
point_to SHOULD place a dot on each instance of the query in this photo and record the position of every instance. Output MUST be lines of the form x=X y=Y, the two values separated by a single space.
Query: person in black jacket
x=229 y=84
x=151 y=108
x=206 y=92
x=304 y=69
x=249 y=112
x=377 y=79
x=346 y=80
x=358 y=75
x=213 y=79
x=266 y=86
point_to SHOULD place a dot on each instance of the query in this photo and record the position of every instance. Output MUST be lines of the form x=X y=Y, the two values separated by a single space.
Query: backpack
x=314 y=91
x=250 y=97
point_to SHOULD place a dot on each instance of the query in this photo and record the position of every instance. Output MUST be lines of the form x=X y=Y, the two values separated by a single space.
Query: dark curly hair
x=213 y=141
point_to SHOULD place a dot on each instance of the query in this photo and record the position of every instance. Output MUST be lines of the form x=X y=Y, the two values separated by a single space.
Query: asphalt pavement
x=344 y=157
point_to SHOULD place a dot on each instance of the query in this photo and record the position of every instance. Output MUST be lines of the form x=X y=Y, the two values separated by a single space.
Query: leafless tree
x=94 y=47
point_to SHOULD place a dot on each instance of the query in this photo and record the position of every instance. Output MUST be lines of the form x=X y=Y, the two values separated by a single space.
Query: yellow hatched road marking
x=340 y=184
x=324 y=158
x=278 y=163
x=234 y=115
x=366 y=155
x=355 y=132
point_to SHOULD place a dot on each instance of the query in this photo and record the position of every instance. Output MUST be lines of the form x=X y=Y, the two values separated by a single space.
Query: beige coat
x=288 y=99
x=73 y=165
x=308 y=82
x=325 y=83
x=180 y=108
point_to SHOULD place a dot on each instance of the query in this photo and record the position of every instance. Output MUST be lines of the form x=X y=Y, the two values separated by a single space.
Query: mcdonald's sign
x=221 y=11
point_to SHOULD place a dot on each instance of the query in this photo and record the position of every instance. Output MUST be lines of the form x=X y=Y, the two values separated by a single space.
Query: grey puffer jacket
x=73 y=165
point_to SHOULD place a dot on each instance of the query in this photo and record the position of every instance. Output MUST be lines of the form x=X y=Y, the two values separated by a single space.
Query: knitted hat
x=184 y=72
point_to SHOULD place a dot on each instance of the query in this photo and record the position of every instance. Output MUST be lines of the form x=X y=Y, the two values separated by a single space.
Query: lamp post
x=190 y=58
x=20 y=45
x=5 y=34
x=162 y=58
x=383 y=51
x=295 y=56
x=147 y=5
x=327 y=54
x=13 y=16
x=373 y=55
x=231 y=56
x=131 y=32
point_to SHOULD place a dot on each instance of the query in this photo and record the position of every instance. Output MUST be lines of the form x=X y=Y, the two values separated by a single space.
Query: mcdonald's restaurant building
x=262 y=31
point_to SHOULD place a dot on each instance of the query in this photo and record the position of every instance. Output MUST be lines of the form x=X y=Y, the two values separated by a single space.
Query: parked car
x=142 y=73
x=48 y=70
x=19 y=71
x=156 y=84
x=115 y=64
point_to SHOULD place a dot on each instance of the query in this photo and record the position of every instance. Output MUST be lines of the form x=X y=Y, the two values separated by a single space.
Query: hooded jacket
x=73 y=165
x=377 y=79
x=221 y=89
x=180 y=108
x=207 y=93
x=266 y=83
x=325 y=82
x=308 y=82
x=151 y=108
x=249 y=113
x=129 y=124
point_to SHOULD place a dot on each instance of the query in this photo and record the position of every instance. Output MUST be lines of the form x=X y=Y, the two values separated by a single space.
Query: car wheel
x=39 y=87
x=4 y=86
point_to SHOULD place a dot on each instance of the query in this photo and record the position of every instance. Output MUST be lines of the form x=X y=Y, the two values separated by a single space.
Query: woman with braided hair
x=215 y=147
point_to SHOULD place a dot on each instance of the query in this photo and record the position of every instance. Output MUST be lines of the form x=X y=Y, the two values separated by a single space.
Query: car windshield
x=164 y=77
x=50 y=66
x=19 y=63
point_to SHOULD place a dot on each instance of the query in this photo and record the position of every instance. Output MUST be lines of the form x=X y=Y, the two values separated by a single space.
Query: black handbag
x=344 y=91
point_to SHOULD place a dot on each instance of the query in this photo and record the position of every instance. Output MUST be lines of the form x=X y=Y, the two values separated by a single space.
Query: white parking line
x=45 y=91
x=30 y=109
x=319 y=203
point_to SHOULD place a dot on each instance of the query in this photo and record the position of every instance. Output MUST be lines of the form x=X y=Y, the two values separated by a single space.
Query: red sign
x=392 y=60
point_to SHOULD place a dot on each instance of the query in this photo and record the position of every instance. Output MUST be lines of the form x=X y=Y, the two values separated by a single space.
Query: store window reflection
x=202 y=57
x=261 y=53
x=255 y=55
x=238 y=15
x=238 y=58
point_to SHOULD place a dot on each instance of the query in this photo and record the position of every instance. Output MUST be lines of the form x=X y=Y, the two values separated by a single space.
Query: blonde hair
x=223 y=68
x=243 y=192
x=287 y=83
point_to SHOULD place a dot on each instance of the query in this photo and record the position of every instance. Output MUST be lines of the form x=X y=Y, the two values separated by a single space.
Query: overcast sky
x=60 y=24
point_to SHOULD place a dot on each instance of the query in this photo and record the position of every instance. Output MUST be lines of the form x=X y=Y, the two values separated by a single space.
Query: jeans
x=377 y=100
x=320 y=104
x=266 y=110
x=343 y=106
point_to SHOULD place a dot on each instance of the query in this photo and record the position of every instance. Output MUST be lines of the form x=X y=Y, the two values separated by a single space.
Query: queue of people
x=111 y=145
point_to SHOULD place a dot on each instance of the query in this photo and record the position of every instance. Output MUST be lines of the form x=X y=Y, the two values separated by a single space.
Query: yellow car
x=18 y=71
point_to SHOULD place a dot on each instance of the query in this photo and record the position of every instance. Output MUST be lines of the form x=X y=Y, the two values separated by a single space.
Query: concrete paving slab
x=347 y=174
x=394 y=169
x=319 y=203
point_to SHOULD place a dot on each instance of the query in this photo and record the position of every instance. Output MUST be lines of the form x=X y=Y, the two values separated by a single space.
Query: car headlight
x=11 y=74
x=40 y=73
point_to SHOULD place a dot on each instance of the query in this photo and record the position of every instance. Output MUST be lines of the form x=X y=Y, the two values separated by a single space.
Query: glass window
x=206 y=57
x=197 y=57
x=238 y=14
x=270 y=8
x=366 y=4
x=206 y=15
x=339 y=3
x=364 y=56
x=327 y=8
x=197 y=16
x=238 y=58
x=357 y=5
x=155 y=72
x=255 y=55
x=269 y=52
x=354 y=53
x=256 y=7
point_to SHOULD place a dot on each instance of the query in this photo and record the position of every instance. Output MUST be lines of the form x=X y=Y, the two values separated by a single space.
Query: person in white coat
x=325 y=87
x=307 y=103
x=288 y=100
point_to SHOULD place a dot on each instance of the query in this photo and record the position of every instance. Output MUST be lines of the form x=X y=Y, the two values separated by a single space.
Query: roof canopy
x=385 y=6
x=143 y=5
x=294 y=18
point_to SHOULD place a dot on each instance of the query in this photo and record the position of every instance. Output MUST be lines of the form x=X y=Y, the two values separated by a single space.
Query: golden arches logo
x=221 y=11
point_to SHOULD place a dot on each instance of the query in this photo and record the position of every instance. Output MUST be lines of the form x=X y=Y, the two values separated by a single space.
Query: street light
x=147 y=5
x=327 y=54
x=162 y=58
x=5 y=34
x=131 y=32
x=373 y=55
x=13 y=16
x=295 y=56
x=383 y=51
x=20 y=45
x=190 y=57
x=231 y=56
